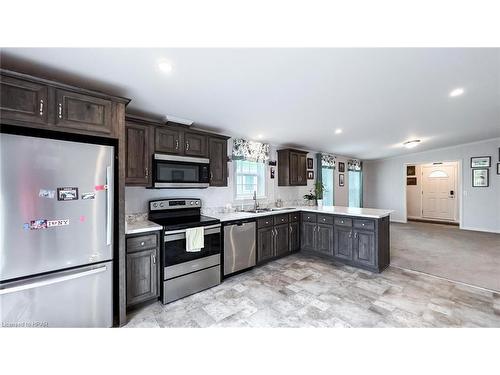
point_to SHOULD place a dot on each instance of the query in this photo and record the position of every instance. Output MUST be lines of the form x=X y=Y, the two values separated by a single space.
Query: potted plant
x=319 y=188
x=310 y=198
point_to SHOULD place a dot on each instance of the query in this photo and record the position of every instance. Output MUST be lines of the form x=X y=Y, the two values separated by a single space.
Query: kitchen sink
x=258 y=210
x=282 y=208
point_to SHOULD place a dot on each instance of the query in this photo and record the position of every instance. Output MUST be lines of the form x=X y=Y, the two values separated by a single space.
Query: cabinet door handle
x=291 y=229
x=355 y=234
x=154 y=258
x=147 y=172
x=350 y=234
x=60 y=110
x=41 y=107
x=176 y=144
x=142 y=243
x=187 y=146
x=211 y=175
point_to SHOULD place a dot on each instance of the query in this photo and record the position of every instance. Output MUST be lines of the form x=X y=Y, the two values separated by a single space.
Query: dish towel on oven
x=195 y=239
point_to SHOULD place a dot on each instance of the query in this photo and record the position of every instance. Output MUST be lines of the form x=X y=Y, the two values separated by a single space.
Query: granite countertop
x=140 y=224
x=337 y=210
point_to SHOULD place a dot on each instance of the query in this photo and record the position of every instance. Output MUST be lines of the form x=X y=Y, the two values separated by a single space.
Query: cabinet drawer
x=141 y=242
x=280 y=219
x=294 y=217
x=265 y=222
x=344 y=221
x=364 y=224
x=309 y=217
x=325 y=219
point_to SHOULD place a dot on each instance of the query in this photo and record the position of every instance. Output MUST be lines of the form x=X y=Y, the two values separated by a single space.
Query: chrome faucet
x=255 y=204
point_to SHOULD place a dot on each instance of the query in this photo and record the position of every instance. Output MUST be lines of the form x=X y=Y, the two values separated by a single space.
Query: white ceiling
x=298 y=97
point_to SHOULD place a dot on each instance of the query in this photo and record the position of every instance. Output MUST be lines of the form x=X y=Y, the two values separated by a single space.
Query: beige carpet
x=447 y=251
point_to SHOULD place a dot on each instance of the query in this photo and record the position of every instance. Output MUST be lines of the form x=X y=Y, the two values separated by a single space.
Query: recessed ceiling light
x=457 y=92
x=260 y=136
x=411 y=144
x=165 y=66
x=338 y=131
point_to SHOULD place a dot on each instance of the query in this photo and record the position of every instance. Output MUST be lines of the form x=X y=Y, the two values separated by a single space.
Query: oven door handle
x=181 y=234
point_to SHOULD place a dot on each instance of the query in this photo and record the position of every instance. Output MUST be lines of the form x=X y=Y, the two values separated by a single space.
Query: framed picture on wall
x=341 y=167
x=341 y=180
x=310 y=175
x=480 y=162
x=480 y=177
x=410 y=170
x=310 y=163
x=411 y=181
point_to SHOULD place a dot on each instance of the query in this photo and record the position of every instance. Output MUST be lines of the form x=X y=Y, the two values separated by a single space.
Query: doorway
x=431 y=192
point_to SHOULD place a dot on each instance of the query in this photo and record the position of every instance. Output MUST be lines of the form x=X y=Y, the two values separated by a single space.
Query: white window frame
x=235 y=183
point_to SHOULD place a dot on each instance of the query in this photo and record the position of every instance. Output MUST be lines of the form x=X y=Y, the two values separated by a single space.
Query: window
x=327 y=178
x=355 y=189
x=438 y=173
x=249 y=176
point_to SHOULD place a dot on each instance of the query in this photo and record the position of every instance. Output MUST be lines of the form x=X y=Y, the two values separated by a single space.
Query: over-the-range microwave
x=171 y=171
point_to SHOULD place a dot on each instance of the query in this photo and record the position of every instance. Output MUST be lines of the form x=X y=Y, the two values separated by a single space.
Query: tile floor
x=305 y=291
x=447 y=251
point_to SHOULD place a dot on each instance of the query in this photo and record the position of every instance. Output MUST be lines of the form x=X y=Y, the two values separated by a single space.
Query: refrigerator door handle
x=49 y=280
x=109 y=213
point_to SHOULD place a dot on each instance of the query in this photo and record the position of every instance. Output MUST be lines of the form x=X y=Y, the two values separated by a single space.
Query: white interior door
x=439 y=191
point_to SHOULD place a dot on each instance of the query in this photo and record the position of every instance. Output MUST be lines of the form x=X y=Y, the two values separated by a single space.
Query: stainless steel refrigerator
x=56 y=233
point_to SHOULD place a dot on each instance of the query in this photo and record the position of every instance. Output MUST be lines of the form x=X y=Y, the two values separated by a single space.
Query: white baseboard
x=480 y=230
x=398 y=221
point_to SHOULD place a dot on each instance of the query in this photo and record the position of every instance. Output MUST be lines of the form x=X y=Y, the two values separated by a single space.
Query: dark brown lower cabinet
x=265 y=244
x=272 y=239
x=317 y=237
x=281 y=233
x=343 y=242
x=324 y=239
x=364 y=247
x=294 y=237
x=142 y=269
x=308 y=236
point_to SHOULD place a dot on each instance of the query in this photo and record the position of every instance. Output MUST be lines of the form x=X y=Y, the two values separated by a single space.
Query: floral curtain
x=249 y=150
x=327 y=161
x=353 y=165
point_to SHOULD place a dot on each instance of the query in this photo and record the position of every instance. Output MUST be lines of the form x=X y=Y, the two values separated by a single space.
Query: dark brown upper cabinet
x=39 y=103
x=169 y=140
x=23 y=101
x=292 y=167
x=217 y=153
x=83 y=112
x=138 y=157
x=195 y=144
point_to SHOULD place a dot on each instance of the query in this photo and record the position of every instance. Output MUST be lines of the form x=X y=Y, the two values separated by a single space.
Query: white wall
x=480 y=206
x=341 y=197
x=136 y=198
x=414 y=196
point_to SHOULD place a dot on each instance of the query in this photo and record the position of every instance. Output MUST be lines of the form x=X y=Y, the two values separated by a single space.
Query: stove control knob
x=192 y=202
x=197 y=202
x=161 y=204
x=155 y=205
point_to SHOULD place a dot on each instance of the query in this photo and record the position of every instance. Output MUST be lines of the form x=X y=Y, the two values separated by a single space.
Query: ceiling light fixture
x=338 y=131
x=165 y=66
x=457 y=92
x=411 y=144
x=260 y=136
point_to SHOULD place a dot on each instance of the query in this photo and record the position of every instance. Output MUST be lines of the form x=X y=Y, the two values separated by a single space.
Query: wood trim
x=48 y=82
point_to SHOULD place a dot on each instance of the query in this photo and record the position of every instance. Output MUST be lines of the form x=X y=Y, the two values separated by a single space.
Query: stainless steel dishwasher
x=239 y=246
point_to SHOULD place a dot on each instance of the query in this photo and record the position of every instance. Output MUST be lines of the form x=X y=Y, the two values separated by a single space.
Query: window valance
x=328 y=161
x=250 y=150
x=354 y=165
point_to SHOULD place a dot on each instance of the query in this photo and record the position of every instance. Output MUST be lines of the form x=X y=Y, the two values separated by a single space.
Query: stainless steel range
x=186 y=272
